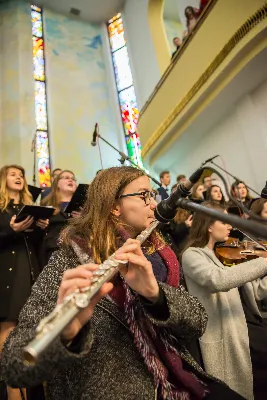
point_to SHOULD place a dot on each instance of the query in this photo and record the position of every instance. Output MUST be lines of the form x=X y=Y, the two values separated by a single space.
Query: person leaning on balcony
x=177 y=44
x=191 y=15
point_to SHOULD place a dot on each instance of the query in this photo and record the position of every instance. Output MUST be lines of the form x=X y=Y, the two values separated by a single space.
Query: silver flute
x=51 y=326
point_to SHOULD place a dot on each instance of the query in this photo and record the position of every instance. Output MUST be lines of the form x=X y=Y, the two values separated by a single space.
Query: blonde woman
x=18 y=259
x=61 y=194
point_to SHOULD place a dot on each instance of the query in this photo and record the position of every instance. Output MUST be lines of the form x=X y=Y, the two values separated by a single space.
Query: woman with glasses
x=61 y=194
x=130 y=342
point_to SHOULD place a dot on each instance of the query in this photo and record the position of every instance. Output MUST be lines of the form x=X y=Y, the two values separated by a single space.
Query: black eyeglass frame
x=142 y=195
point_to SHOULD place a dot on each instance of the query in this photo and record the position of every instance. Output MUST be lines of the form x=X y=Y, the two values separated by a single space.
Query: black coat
x=176 y=235
x=163 y=193
x=19 y=265
x=50 y=242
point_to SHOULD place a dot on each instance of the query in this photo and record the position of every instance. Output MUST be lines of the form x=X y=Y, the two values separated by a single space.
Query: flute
x=51 y=326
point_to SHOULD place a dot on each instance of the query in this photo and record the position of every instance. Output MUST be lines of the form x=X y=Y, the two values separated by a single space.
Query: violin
x=234 y=252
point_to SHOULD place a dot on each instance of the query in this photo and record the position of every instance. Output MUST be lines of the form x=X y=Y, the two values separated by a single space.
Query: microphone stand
x=34 y=161
x=234 y=177
x=254 y=228
x=124 y=158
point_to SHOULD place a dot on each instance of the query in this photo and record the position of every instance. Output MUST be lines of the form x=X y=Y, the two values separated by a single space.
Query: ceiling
x=90 y=10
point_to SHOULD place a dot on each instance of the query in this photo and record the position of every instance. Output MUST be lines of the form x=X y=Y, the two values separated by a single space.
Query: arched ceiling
x=90 y=10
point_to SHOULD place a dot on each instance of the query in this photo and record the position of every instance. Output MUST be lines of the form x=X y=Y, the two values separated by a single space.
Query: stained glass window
x=42 y=144
x=125 y=87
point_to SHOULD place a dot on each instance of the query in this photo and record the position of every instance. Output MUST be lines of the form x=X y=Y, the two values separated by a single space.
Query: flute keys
x=82 y=300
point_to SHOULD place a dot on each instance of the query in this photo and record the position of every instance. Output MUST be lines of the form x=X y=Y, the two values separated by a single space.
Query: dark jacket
x=108 y=365
x=50 y=242
x=163 y=193
x=19 y=265
x=175 y=234
x=46 y=192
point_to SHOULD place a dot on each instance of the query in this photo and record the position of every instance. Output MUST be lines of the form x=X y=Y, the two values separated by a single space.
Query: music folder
x=78 y=199
x=37 y=212
x=35 y=192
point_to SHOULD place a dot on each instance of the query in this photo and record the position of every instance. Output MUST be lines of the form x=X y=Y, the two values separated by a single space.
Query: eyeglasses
x=67 y=178
x=146 y=196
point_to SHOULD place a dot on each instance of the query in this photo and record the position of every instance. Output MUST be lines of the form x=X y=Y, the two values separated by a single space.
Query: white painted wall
x=17 y=118
x=240 y=138
x=81 y=92
x=145 y=69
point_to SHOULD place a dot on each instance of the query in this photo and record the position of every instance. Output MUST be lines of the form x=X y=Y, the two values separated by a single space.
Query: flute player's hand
x=138 y=273
x=79 y=278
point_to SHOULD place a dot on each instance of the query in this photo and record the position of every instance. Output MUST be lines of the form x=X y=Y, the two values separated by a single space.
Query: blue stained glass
x=40 y=106
x=37 y=26
x=122 y=69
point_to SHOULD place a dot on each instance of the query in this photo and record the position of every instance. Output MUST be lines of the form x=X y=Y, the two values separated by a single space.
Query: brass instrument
x=51 y=326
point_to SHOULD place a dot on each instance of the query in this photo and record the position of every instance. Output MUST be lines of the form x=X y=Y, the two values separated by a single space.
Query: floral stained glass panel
x=38 y=58
x=40 y=105
x=37 y=26
x=114 y=18
x=126 y=92
x=42 y=144
x=122 y=69
x=129 y=110
x=116 y=35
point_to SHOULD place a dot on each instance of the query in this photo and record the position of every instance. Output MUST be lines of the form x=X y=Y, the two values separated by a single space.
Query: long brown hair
x=25 y=195
x=181 y=216
x=53 y=198
x=194 y=190
x=209 y=195
x=235 y=186
x=97 y=226
x=199 y=232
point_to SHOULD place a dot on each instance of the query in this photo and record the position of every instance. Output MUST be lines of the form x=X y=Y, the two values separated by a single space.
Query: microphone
x=93 y=143
x=33 y=142
x=264 y=192
x=210 y=159
x=166 y=209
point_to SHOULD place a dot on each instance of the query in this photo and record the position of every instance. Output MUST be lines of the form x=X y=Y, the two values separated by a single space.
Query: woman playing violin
x=130 y=342
x=234 y=345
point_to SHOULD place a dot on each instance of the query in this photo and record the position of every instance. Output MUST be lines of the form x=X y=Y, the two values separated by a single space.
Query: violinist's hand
x=42 y=223
x=21 y=226
x=79 y=278
x=139 y=273
x=189 y=221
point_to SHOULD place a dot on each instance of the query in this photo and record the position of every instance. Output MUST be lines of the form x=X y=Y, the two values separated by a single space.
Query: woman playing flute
x=130 y=342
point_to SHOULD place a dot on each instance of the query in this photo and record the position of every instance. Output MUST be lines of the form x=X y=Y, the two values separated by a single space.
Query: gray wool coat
x=225 y=343
x=108 y=365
